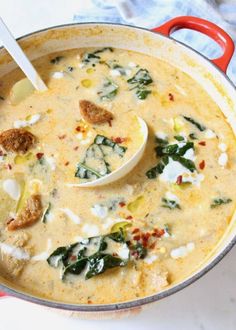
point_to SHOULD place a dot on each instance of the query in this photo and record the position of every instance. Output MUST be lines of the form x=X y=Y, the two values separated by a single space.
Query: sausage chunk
x=29 y=215
x=94 y=114
x=17 y=140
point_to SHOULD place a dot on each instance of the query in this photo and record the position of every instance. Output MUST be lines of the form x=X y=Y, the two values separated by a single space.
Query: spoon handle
x=20 y=58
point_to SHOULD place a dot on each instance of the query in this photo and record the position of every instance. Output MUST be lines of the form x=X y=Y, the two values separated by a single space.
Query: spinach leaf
x=85 y=172
x=93 y=255
x=174 y=149
x=94 y=57
x=220 y=201
x=158 y=169
x=139 y=251
x=109 y=90
x=170 y=204
x=141 y=79
x=179 y=138
x=195 y=123
x=96 y=154
x=193 y=136
x=56 y=59
x=189 y=164
x=161 y=142
x=104 y=141
x=142 y=93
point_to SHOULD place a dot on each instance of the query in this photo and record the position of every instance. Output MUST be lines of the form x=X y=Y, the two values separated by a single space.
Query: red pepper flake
x=110 y=123
x=137 y=237
x=171 y=97
x=73 y=258
x=158 y=232
x=89 y=302
x=115 y=254
x=61 y=137
x=179 y=179
x=152 y=245
x=145 y=238
x=39 y=155
x=118 y=139
x=122 y=204
x=202 y=165
x=9 y=166
x=202 y=143
x=67 y=163
x=135 y=231
x=129 y=217
x=76 y=148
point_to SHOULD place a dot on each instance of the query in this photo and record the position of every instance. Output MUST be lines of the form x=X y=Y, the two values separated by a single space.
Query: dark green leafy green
x=96 y=155
x=220 y=201
x=94 y=255
x=179 y=138
x=109 y=90
x=195 y=123
x=138 y=251
x=170 y=204
x=56 y=59
x=93 y=56
x=158 y=169
x=140 y=80
x=193 y=136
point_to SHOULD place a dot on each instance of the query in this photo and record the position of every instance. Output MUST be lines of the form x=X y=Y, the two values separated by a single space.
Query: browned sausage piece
x=29 y=215
x=94 y=114
x=17 y=140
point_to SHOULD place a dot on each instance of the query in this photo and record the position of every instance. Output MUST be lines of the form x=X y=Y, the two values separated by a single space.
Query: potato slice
x=20 y=91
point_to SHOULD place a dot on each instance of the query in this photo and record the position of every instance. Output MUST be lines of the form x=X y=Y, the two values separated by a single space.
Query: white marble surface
x=209 y=304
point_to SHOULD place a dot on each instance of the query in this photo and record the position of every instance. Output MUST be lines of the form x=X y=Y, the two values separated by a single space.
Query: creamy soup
x=139 y=235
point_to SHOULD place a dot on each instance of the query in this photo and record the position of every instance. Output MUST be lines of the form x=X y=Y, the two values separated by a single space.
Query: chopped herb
x=94 y=57
x=109 y=90
x=46 y=212
x=193 y=136
x=138 y=251
x=70 y=68
x=195 y=123
x=179 y=138
x=76 y=258
x=161 y=142
x=141 y=79
x=220 y=201
x=56 y=59
x=142 y=93
x=170 y=204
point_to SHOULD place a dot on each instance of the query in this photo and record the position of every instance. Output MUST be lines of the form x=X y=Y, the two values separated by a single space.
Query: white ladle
x=124 y=169
x=20 y=58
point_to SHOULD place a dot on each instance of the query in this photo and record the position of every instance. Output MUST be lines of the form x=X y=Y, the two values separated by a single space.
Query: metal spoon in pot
x=20 y=58
x=125 y=168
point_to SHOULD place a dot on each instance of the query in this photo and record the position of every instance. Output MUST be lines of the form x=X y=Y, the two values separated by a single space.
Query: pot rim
x=141 y=301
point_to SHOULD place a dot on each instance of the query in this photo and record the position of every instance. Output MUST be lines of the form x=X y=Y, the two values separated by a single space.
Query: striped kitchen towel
x=152 y=13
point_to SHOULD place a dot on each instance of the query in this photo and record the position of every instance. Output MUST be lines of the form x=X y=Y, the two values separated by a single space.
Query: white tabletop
x=209 y=304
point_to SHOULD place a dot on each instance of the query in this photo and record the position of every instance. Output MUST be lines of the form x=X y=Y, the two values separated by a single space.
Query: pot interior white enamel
x=199 y=68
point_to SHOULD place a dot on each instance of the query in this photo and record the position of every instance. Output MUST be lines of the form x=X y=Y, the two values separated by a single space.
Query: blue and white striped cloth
x=152 y=13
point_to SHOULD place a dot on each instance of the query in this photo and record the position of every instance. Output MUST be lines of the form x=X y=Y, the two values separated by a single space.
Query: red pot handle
x=2 y=294
x=210 y=29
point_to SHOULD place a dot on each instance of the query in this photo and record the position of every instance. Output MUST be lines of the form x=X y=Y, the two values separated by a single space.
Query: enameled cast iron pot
x=158 y=43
